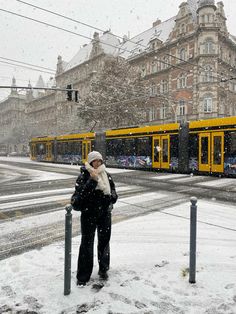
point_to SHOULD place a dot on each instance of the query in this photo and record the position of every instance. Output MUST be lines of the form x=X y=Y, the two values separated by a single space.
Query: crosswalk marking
x=61 y=196
x=218 y=182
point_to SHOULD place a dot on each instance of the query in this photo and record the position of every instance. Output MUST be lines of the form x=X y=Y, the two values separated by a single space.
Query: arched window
x=182 y=81
x=182 y=54
x=154 y=67
x=207 y=104
x=182 y=28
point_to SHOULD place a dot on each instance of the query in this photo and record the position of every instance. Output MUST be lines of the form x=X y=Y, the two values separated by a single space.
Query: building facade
x=187 y=64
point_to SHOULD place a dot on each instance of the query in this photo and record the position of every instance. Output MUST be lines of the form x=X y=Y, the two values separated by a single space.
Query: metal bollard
x=193 y=233
x=68 y=240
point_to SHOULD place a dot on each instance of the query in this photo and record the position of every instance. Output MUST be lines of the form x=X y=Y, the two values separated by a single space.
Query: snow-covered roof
x=140 y=43
x=233 y=38
x=108 y=42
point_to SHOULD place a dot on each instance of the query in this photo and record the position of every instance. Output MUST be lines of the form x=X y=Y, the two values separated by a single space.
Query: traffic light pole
x=44 y=88
x=69 y=91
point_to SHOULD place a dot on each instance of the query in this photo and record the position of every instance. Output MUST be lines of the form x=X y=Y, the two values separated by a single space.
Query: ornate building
x=12 y=120
x=188 y=63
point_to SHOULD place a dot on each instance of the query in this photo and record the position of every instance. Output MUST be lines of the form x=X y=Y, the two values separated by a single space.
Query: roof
x=140 y=43
x=108 y=42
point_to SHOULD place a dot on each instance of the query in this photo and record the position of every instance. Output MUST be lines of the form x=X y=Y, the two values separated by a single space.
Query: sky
x=38 y=44
x=149 y=263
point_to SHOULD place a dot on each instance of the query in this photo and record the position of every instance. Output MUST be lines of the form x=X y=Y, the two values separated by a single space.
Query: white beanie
x=93 y=156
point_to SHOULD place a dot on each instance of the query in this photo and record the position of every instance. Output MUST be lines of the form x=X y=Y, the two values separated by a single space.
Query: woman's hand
x=94 y=175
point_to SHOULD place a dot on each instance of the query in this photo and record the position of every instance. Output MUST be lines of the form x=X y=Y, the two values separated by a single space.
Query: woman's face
x=96 y=163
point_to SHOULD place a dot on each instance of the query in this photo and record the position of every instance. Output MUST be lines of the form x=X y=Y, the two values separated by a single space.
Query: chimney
x=157 y=22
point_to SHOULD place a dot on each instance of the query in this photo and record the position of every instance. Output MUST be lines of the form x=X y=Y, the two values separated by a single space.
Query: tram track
x=15 y=243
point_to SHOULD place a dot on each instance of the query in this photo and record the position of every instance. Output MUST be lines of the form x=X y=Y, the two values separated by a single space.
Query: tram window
x=193 y=145
x=174 y=146
x=217 y=150
x=59 y=148
x=165 y=150
x=144 y=146
x=129 y=147
x=77 y=148
x=41 y=149
x=114 y=147
x=230 y=144
x=204 y=146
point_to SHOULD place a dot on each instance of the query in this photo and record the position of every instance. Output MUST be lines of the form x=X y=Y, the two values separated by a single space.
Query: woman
x=96 y=190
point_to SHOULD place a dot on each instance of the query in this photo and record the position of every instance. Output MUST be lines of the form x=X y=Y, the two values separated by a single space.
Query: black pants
x=89 y=224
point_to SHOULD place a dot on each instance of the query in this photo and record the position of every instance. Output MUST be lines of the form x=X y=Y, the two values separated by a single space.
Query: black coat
x=92 y=199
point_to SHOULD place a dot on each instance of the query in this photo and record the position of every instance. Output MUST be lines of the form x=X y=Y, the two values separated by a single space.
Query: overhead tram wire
x=26 y=67
x=29 y=64
x=60 y=28
x=101 y=30
x=77 y=34
x=90 y=26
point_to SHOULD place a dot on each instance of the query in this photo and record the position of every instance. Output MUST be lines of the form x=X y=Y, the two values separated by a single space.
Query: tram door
x=161 y=151
x=49 y=151
x=33 y=151
x=211 y=152
x=86 y=149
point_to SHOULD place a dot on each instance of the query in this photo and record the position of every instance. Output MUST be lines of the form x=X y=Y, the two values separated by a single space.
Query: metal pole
x=193 y=232
x=68 y=238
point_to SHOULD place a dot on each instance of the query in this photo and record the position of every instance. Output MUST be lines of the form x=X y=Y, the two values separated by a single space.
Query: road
x=33 y=198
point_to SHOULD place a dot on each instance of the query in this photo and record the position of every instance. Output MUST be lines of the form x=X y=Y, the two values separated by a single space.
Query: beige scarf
x=103 y=181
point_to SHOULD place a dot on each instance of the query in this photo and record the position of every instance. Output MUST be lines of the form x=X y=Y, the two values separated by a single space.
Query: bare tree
x=117 y=96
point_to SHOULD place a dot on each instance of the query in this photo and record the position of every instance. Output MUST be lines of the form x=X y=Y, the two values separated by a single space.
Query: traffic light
x=69 y=92
x=76 y=96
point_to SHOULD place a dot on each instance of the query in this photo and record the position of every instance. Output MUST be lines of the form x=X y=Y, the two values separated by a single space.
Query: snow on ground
x=20 y=224
x=149 y=269
x=27 y=160
x=35 y=175
x=219 y=182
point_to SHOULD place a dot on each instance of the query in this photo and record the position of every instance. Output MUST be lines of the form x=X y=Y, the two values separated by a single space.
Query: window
x=182 y=81
x=164 y=86
x=165 y=62
x=153 y=90
x=207 y=102
x=208 y=46
x=183 y=28
x=143 y=71
x=152 y=113
x=182 y=54
x=208 y=74
x=182 y=108
x=163 y=112
x=154 y=67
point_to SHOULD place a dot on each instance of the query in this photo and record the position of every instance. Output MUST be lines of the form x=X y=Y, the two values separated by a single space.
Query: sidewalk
x=149 y=269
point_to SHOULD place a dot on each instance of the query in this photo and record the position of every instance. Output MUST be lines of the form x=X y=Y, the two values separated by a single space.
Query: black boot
x=103 y=274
